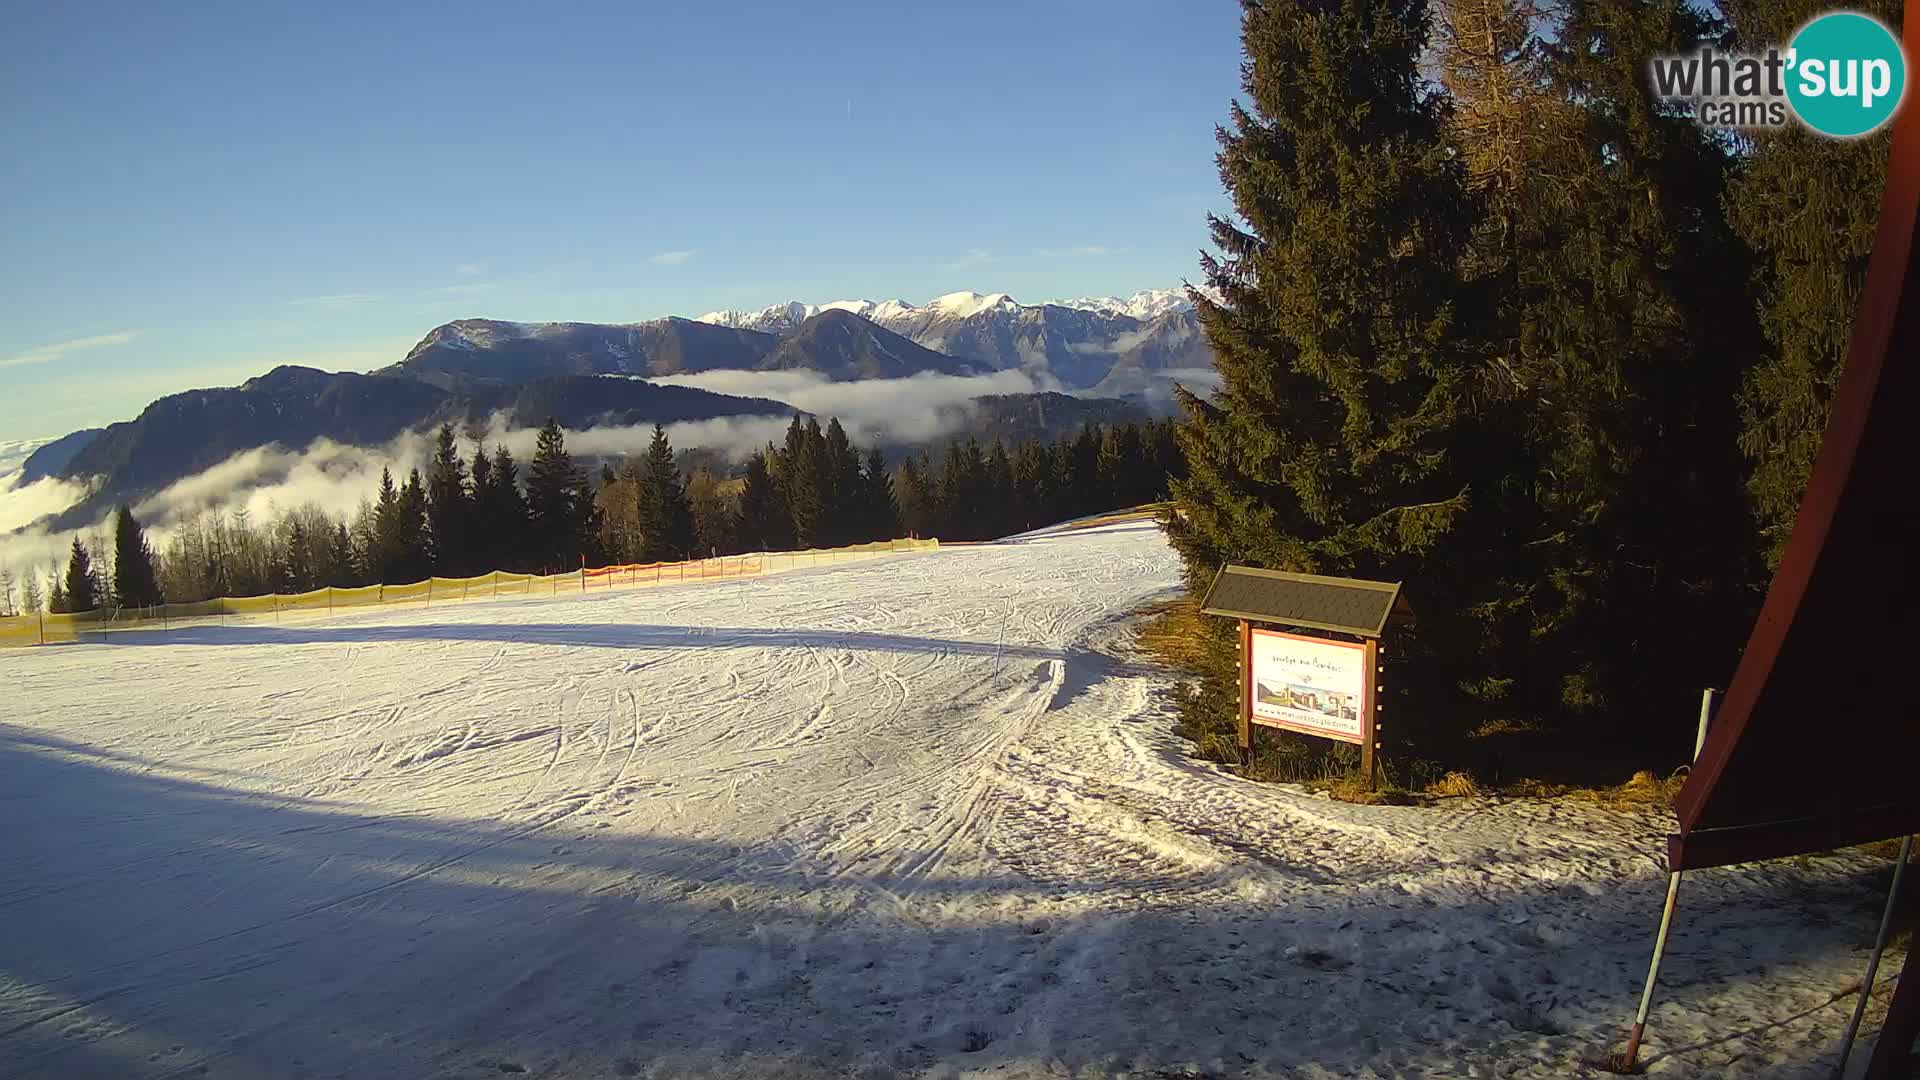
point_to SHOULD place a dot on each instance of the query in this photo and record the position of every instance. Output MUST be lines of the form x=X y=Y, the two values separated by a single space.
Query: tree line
x=470 y=513
x=1494 y=322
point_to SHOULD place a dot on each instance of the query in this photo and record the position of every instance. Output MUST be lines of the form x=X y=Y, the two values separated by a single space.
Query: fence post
x=380 y=594
x=43 y=627
x=329 y=602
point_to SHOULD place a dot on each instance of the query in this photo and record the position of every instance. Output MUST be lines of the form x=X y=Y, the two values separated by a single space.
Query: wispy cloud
x=465 y=288
x=673 y=258
x=469 y=269
x=46 y=354
x=1082 y=252
x=337 y=301
x=973 y=257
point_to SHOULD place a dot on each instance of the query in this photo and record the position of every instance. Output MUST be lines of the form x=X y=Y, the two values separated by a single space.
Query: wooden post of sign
x=1369 y=722
x=1246 y=693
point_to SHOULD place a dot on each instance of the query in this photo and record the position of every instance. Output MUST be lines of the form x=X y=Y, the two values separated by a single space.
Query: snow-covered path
x=917 y=816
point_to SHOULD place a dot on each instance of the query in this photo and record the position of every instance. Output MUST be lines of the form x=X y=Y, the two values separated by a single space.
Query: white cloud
x=1083 y=251
x=337 y=301
x=466 y=288
x=973 y=257
x=469 y=269
x=915 y=409
x=21 y=506
x=49 y=353
x=673 y=258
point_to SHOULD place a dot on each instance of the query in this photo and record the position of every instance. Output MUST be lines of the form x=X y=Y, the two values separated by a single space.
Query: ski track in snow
x=920 y=816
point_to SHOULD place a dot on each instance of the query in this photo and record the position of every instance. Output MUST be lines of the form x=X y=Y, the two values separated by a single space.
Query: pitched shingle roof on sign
x=1343 y=605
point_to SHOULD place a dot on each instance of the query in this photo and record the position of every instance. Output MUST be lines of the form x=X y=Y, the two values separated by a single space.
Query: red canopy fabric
x=1816 y=744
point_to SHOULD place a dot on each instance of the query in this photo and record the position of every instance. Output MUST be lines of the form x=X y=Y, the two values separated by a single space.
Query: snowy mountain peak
x=1143 y=305
x=966 y=304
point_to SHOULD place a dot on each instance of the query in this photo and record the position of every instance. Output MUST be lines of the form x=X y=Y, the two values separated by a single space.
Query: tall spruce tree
x=503 y=511
x=805 y=477
x=1639 y=330
x=1326 y=448
x=559 y=504
x=134 y=583
x=483 y=546
x=665 y=516
x=915 y=489
x=449 y=525
x=1808 y=206
x=881 y=512
x=81 y=592
x=765 y=523
x=843 y=512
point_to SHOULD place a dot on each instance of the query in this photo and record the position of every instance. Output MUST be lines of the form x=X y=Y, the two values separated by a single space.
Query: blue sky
x=197 y=192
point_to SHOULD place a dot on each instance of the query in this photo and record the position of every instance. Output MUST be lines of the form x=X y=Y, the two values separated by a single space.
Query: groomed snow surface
x=922 y=816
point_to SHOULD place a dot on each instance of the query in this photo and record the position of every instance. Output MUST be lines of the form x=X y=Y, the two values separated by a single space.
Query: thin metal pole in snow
x=1628 y=1061
x=998 y=644
x=1873 y=962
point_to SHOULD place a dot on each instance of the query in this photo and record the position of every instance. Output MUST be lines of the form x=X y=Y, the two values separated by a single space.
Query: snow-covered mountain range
x=1143 y=305
x=1119 y=346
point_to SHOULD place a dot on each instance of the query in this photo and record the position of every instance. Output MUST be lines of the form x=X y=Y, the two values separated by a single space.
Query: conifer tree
x=559 y=505
x=449 y=526
x=57 y=597
x=34 y=600
x=341 y=572
x=503 y=512
x=1326 y=447
x=962 y=513
x=6 y=594
x=881 y=512
x=842 y=511
x=996 y=502
x=383 y=549
x=805 y=476
x=411 y=539
x=81 y=591
x=917 y=488
x=1030 y=499
x=134 y=583
x=665 y=517
x=483 y=544
x=1808 y=207
x=765 y=522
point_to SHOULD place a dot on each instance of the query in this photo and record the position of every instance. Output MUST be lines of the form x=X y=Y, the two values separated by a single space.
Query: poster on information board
x=1310 y=685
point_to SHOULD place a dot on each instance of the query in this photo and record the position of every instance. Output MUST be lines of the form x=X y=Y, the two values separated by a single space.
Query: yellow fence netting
x=23 y=630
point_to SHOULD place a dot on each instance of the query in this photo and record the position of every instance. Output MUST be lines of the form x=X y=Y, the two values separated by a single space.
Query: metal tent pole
x=1629 y=1061
x=1873 y=962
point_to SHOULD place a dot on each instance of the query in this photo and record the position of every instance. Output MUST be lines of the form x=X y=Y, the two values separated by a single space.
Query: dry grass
x=1175 y=631
x=1454 y=785
x=1644 y=789
x=1351 y=788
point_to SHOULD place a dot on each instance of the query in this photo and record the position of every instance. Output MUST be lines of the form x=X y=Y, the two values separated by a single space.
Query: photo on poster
x=1309 y=684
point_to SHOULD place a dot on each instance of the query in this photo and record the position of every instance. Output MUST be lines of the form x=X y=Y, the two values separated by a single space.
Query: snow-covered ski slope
x=917 y=816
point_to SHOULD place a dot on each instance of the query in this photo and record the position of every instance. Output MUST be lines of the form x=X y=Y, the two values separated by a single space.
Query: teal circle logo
x=1846 y=74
